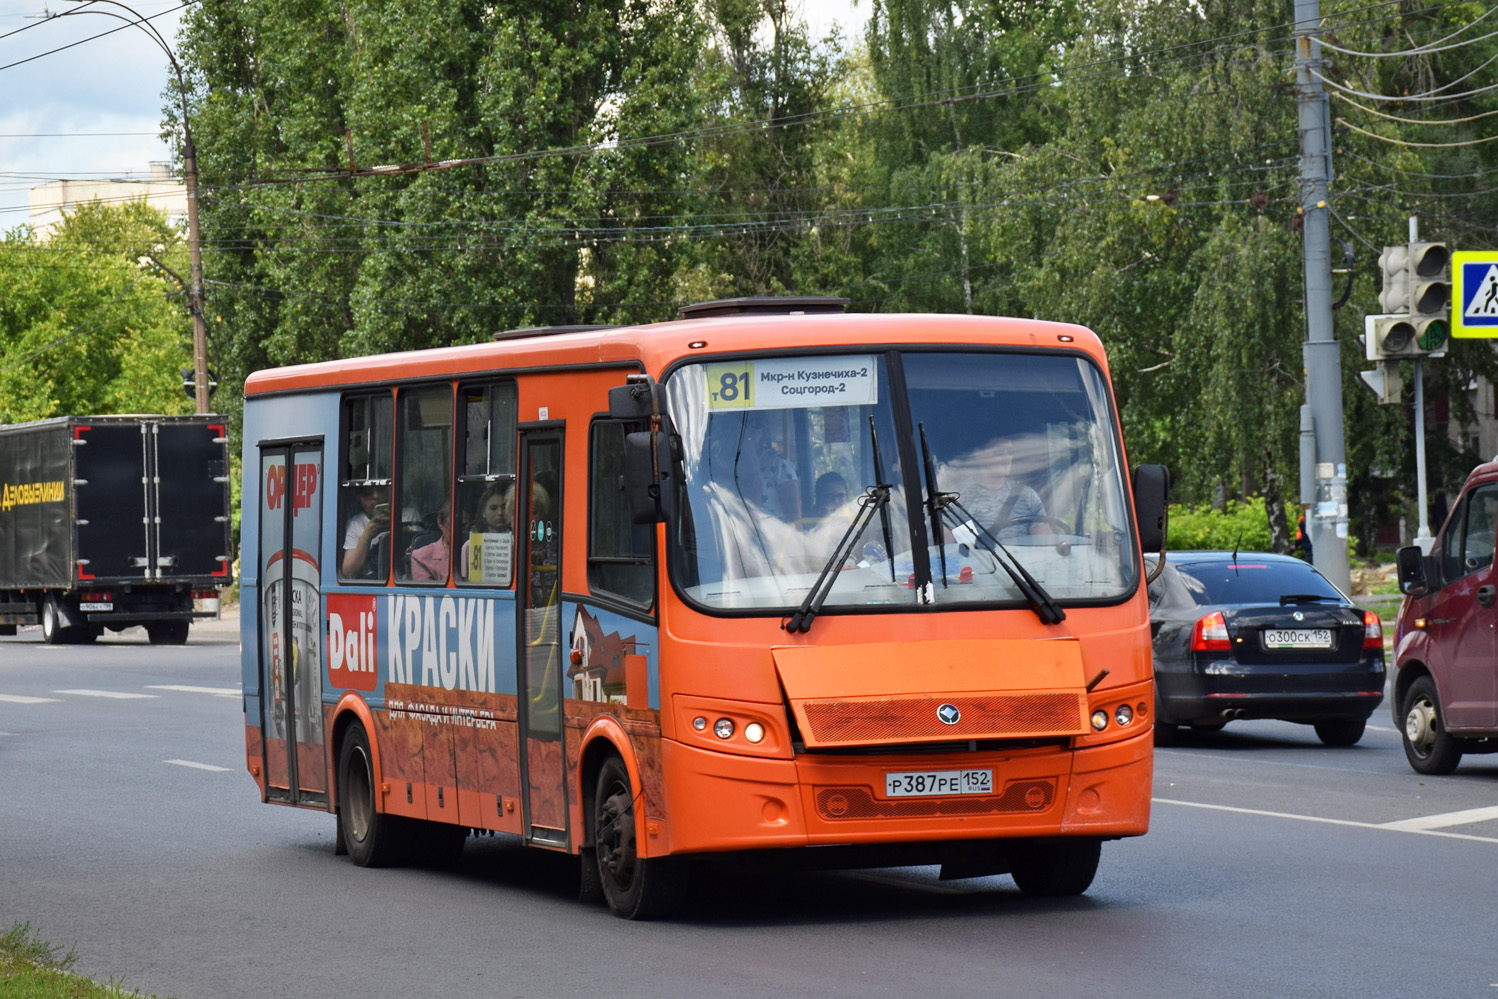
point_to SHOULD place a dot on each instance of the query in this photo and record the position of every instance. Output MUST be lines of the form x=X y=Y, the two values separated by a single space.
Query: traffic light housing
x=1416 y=301
x=1390 y=337
x=1394 y=268
x=1430 y=297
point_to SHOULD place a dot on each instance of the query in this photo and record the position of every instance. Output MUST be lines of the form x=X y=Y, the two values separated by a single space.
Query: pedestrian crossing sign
x=1474 y=293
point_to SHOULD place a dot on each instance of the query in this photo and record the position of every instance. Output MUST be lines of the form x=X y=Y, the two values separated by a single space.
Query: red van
x=1445 y=695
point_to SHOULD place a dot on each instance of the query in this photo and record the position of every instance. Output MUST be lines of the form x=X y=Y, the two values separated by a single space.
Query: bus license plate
x=1298 y=638
x=919 y=783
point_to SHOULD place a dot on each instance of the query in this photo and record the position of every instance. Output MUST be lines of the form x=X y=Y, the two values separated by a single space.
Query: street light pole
x=190 y=181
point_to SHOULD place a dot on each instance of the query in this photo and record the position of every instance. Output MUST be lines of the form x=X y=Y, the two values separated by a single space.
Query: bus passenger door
x=291 y=623
x=539 y=658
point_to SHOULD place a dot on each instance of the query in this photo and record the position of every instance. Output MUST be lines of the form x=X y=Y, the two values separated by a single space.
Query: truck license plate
x=96 y=606
x=920 y=783
x=1298 y=638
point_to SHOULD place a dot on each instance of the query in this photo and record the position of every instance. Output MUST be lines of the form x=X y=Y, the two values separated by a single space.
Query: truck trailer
x=109 y=522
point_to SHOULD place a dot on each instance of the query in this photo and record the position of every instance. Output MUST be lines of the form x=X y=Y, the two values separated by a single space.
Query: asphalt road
x=1274 y=867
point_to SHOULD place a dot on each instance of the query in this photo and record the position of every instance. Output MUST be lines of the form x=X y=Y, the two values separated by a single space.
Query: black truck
x=111 y=522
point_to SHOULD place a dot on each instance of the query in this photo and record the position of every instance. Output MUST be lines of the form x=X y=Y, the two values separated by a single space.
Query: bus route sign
x=1474 y=293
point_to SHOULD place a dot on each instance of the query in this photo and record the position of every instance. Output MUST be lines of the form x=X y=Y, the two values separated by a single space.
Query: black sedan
x=1254 y=635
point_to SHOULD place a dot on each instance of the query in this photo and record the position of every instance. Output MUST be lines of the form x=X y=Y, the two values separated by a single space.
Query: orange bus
x=765 y=582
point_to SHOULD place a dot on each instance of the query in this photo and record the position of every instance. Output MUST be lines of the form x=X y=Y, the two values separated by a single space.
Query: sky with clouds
x=74 y=104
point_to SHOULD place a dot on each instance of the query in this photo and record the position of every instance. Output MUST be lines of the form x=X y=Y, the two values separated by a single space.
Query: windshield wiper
x=877 y=498
x=940 y=505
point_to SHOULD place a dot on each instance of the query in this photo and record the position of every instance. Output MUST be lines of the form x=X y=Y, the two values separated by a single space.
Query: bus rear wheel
x=373 y=839
x=1055 y=867
x=634 y=887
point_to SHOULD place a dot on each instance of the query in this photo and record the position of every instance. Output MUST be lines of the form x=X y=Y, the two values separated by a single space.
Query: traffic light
x=1390 y=338
x=1430 y=297
x=1394 y=267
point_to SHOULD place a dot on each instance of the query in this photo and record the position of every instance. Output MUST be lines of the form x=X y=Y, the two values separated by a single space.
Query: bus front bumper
x=722 y=802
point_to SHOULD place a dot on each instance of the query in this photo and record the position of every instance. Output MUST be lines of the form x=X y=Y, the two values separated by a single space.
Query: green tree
x=89 y=323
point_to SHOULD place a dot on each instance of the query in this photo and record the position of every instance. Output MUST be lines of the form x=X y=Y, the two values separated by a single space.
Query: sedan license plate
x=1297 y=638
x=922 y=783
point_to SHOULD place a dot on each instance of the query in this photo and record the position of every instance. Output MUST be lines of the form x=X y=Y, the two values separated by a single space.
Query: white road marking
x=1384 y=827
x=1426 y=822
x=21 y=699
x=117 y=694
x=198 y=766
x=216 y=691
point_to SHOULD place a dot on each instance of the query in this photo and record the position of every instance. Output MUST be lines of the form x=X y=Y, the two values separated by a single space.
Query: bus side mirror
x=1410 y=561
x=648 y=473
x=1151 y=494
x=632 y=400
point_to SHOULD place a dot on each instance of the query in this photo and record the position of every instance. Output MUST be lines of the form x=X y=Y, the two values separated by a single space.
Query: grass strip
x=33 y=969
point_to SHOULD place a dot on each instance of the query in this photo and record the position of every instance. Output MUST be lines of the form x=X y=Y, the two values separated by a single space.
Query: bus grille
x=859 y=803
x=841 y=722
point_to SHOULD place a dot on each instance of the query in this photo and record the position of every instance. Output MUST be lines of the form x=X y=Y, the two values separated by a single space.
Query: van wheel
x=1055 y=868
x=634 y=887
x=1340 y=731
x=373 y=838
x=1427 y=746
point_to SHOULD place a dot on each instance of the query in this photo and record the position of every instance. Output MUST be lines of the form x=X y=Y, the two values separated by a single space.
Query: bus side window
x=485 y=508
x=424 y=484
x=364 y=488
x=621 y=553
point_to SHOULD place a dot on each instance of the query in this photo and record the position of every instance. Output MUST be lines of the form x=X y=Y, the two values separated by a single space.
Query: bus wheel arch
x=372 y=838
x=635 y=886
x=603 y=740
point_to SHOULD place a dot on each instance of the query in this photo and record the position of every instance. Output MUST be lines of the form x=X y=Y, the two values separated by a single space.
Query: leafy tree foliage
x=394 y=176
x=89 y=323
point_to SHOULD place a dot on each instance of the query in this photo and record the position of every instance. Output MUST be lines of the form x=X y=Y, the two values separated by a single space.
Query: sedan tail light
x=1211 y=634
x=1373 y=631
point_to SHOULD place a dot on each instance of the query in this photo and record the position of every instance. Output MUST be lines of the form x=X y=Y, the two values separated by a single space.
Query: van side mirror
x=1410 y=561
x=1151 y=496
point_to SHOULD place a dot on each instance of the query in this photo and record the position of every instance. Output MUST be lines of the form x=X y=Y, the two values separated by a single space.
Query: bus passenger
x=364 y=532
x=831 y=492
x=430 y=562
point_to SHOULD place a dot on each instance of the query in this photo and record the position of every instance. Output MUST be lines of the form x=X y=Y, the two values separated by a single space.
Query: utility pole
x=1327 y=494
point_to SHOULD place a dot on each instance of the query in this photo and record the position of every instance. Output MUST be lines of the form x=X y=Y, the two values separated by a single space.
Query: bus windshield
x=798 y=466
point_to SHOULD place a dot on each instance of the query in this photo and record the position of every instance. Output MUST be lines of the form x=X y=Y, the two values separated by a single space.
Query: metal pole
x=195 y=270
x=1423 y=537
x=1328 y=520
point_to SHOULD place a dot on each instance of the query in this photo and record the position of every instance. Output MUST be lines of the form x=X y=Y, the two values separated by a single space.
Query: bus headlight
x=1099 y=720
x=723 y=728
x=1124 y=714
x=754 y=732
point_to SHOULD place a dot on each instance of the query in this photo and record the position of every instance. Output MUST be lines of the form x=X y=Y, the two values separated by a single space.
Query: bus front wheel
x=1055 y=867
x=634 y=887
x=373 y=839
